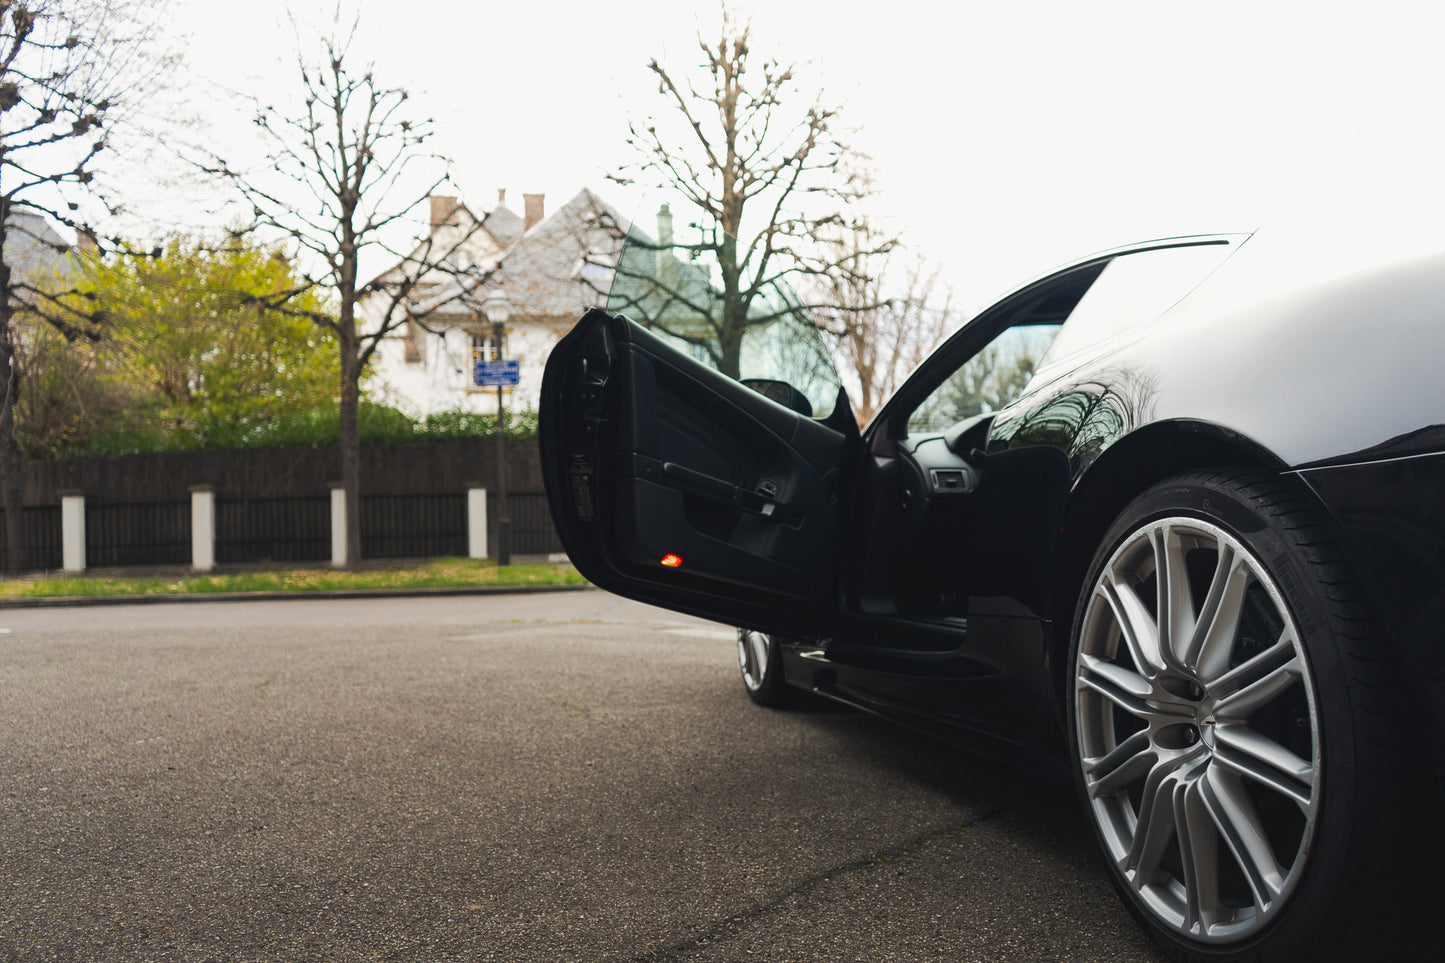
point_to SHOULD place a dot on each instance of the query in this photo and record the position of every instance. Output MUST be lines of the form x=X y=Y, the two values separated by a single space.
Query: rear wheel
x=762 y=668
x=1236 y=726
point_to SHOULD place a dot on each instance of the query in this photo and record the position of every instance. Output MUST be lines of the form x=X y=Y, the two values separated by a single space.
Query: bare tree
x=884 y=312
x=761 y=164
x=342 y=171
x=70 y=70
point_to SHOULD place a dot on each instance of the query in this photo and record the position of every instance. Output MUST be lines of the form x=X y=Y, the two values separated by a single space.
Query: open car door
x=673 y=484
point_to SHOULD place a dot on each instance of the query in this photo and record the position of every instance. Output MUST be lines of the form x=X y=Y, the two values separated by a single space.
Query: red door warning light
x=671 y=560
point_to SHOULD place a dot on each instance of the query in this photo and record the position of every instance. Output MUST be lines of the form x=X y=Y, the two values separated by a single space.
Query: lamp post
x=498 y=309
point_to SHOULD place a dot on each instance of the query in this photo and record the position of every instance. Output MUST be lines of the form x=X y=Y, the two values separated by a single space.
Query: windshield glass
x=722 y=301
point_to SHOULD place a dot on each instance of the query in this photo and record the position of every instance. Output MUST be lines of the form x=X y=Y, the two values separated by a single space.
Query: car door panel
x=737 y=491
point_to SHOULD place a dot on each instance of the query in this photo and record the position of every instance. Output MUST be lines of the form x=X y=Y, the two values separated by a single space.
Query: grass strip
x=437 y=573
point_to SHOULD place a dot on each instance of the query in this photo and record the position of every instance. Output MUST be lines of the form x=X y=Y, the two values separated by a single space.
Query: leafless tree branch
x=764 y=178
x=343 y=167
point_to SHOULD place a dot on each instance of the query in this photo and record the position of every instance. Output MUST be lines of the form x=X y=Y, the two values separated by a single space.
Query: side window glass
x=987 y=382
x=682 y=279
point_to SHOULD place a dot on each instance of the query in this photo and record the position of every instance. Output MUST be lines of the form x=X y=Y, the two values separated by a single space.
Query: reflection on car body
x=1190 y=557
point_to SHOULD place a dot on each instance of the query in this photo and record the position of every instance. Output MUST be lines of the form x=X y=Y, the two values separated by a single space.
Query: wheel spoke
x=1213 y=638
x=1155 y=827
x=1140 y=632
x=753 y=655
x=1176 y=619
x=1124 y=687
x=1259 y=757
x=1234 y=815
x=1199 y=849
x=759 y=644
x=1126 y=763
x=1251 y=686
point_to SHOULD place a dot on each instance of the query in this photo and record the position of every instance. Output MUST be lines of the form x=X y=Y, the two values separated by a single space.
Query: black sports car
x=1168 y=521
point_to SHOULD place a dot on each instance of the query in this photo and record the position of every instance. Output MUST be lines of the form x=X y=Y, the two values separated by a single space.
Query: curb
x=60 y=601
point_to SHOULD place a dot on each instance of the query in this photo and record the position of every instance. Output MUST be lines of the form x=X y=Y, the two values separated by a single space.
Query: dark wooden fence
x=294 y=529
x=414 y=526
x=274 y=505
x=532 y=531
x=419 y=469
x=138 y=533
x=41 y=537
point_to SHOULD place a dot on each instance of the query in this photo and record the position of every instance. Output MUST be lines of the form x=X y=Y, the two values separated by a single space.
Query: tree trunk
x=734 y=310
x=11 y=480
x=350 y=441
x=11 y=471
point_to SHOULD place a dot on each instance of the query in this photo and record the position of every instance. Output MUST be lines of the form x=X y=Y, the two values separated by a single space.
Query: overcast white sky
x=1009 y=135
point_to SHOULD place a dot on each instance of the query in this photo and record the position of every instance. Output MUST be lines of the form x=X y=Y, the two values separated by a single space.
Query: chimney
x=501 y=195
x=441 y=209
x=665 y=259
x=533 y=209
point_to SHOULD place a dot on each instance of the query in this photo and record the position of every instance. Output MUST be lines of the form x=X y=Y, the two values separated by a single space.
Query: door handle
x=717 y=489
x=698 y=481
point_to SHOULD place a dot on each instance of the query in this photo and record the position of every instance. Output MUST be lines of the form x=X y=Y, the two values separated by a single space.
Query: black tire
x=1264 y=723
x=762 y=669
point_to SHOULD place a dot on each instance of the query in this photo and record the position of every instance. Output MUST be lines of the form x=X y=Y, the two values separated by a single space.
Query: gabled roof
x=557 y=269
x=461 y=230
x=504 y=224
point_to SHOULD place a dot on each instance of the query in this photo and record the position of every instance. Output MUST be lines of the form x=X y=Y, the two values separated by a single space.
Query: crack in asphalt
x=738 y=922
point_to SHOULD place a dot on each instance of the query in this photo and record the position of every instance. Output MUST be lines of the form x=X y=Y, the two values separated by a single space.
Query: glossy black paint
x=1391 y=516
x=952 y=613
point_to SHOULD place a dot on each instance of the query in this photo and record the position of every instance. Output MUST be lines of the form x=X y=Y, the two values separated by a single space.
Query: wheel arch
x=1122 y=472
x=1127 y=469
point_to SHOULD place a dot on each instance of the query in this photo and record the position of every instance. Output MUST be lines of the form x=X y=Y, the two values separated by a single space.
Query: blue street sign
x=492 y=373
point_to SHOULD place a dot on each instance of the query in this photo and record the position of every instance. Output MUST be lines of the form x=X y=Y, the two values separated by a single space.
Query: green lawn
x=438 y=573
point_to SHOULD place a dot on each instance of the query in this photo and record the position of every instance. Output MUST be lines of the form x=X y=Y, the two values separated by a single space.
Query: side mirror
x=781 y=392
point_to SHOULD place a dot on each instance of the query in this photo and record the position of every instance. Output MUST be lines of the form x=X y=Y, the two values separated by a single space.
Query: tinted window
x=989 y=381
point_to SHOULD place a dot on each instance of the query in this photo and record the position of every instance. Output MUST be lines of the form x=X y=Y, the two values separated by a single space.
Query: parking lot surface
x=555 y=777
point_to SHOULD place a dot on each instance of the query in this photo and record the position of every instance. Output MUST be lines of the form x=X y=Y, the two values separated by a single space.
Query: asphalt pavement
x=541 y=777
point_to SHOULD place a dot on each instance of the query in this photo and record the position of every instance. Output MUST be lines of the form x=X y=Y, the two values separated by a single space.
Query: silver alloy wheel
x=1197 y=730
x=753 y=657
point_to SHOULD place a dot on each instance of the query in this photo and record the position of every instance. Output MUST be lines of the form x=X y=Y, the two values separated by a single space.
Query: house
x=549 y=268
x=33 y=248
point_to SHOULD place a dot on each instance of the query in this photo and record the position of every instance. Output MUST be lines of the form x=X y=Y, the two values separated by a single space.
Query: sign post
x=498 y=372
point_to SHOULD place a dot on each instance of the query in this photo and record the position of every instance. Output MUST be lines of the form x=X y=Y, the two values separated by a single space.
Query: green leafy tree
x=191 y=355
x=71 y=400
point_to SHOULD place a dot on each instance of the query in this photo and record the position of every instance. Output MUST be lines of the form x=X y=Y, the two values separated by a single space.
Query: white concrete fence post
x=476 y=521
x=72 y=531
x=203 y=528
x=338 y=525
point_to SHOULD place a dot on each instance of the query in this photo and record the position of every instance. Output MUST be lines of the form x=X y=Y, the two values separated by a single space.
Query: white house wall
x=441 y=380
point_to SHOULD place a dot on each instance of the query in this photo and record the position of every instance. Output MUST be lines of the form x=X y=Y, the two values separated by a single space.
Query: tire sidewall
x=1297 y=925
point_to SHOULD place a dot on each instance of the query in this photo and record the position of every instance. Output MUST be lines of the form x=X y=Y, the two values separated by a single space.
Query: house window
x=484 y=347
